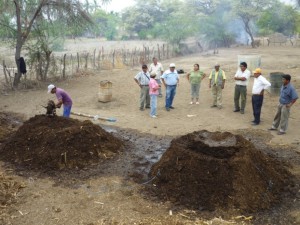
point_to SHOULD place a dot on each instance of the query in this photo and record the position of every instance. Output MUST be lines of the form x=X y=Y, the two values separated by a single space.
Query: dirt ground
x=112 y=193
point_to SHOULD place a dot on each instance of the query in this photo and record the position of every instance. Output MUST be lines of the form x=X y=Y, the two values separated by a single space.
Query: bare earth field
x=112 y=193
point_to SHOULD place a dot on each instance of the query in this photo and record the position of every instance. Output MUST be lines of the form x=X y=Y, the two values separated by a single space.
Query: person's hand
x=222 y=86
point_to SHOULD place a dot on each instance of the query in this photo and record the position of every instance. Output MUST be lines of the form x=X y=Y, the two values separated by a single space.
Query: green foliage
x=279 y=18
x=105 y=24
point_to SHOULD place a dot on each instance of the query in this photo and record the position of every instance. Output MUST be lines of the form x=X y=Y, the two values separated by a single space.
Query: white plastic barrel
x=253 y=61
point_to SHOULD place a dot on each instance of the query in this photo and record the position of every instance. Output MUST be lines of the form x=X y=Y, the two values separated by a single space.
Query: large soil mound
x=219 y=171
x=55 y=142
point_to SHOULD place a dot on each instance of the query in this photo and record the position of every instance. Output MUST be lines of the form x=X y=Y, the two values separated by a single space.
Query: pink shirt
x=153 y=87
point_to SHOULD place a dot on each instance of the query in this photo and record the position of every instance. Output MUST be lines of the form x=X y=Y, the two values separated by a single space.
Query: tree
x=249 y=11
x=25 y=14
x=105 y=24
x=279 y=18
x=141 y=18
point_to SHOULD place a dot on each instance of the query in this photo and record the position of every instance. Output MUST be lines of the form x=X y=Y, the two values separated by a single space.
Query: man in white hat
x=170 y=79
x=63 y=99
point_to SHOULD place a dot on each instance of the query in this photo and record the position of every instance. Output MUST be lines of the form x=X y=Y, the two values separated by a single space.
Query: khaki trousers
x=217 y=95
x=144 y=97
x=281 y=118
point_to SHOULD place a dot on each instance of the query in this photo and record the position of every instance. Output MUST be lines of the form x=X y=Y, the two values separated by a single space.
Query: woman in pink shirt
x=153 y=92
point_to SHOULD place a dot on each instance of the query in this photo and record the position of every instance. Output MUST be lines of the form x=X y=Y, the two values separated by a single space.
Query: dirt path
x=126 y=94
x=109 y=193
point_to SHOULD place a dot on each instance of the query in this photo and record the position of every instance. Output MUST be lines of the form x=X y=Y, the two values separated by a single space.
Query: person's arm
x=223 y=84
x=294 y=96
x=163 y=81
x=188 y=76
x=138 y=83
x=209 y=79
x=59 y=103
x=291 y=103
x=224 y=79
x=266 y=84
x=240 y=78
x=236 y=77
x=203 y=76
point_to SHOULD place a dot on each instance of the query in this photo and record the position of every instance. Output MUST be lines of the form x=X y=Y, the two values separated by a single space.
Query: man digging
x=63 y=99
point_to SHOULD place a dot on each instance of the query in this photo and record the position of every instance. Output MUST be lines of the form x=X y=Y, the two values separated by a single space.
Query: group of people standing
x=150 y=81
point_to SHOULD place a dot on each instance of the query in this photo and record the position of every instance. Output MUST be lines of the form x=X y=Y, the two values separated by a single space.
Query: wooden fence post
x=78 y=62
x=64 y=66
x=94 y=58
x=113 y=58
x=86 y=60
x=98 y=60
x=4 y=71
x=167 y=51
x=158 y=52
x=72 y=64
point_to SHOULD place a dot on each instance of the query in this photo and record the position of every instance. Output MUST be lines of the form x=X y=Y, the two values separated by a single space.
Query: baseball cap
x=172 y=65
x=50 y=87
x=153 y=73
x=217 y=64
x=257 y=70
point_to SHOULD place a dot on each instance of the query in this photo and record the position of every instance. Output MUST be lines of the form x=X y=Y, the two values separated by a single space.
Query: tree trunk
x=22 y=34
x=248 y=31
x=48 y=59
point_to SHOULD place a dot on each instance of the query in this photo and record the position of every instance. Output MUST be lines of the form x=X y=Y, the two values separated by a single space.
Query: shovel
x=96 y=117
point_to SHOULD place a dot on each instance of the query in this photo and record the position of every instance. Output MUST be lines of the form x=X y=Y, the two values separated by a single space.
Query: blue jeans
x=170 y=94
x=67 y=110
x=153 y=105
x=257 y=101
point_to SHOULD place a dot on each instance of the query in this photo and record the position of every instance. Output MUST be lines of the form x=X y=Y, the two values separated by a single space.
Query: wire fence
x=68 y=65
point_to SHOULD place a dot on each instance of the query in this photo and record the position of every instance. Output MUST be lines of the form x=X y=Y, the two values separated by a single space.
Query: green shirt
x=196 y=76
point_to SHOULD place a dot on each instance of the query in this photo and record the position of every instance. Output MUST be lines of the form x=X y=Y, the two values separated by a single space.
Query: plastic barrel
x=105 y=91
x=276 y=82
x=253 y=61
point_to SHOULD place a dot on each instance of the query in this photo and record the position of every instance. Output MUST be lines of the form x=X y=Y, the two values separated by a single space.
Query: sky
x=118 y=5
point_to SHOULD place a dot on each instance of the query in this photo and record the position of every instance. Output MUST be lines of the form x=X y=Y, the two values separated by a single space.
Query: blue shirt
x=287 y=94
x=170 y=78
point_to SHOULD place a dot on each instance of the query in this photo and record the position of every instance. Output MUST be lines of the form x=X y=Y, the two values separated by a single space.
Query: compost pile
x=45 y=142
x=8 y=124
x=212 y=171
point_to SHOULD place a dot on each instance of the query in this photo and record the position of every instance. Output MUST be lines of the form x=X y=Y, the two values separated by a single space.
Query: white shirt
x=143 y=78
x=245 y=74
x=158 y=69
x=260 y=83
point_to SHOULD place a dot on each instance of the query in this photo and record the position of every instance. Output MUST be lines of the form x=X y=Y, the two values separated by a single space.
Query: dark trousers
x=257 y=101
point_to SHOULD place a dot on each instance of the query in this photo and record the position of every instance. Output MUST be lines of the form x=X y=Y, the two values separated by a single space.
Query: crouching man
x=63 y=98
